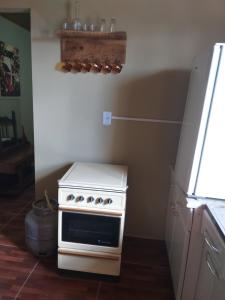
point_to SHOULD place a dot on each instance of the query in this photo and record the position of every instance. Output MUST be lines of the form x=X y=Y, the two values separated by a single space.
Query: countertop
x=216 y=210
x=217 y=214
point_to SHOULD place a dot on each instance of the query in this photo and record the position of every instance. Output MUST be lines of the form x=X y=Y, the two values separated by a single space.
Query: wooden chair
x=8 y=130
x=16 y=158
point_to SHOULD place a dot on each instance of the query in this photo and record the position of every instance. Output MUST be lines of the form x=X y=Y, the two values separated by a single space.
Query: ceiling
x=21 y=19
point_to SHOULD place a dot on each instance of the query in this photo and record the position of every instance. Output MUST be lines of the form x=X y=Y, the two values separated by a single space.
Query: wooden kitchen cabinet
x=209 y=285
x=211 y=277
x=193 y=256
x=86 y=51
x=170 y=221
x=197 y=269
x=218 y=290
x=178 y=228
x=184 y=243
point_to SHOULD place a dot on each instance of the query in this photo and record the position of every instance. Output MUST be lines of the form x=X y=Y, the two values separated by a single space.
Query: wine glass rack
x=98 y=52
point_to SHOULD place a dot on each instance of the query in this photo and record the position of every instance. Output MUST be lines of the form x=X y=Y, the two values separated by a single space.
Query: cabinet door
x=211 y=279
x=170 y=221
x=179 y=251
x=179 y=219
x=194 y=256
x=218 y=292
x=205 y=278
x=210 y=285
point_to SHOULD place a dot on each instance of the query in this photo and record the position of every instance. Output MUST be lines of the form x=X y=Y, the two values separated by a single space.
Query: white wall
x=163 y=38
x=23 y=105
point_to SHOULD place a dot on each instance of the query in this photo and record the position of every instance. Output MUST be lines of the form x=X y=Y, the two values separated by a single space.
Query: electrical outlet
x=107 y=118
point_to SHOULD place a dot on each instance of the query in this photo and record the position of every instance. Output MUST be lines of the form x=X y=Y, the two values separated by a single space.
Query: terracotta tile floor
x=145 y=272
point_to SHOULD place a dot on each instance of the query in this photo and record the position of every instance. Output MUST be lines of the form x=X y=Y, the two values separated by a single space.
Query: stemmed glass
x=76 y=20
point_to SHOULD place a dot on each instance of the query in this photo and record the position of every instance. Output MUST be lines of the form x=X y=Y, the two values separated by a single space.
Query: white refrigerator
x=200 y=164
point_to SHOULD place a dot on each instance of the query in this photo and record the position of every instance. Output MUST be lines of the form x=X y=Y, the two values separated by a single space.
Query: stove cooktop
x=95 y=176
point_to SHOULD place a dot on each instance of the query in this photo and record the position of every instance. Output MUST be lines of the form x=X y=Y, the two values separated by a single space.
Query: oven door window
x=90 y=229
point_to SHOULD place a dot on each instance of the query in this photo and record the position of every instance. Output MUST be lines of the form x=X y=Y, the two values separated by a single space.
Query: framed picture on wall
x=9 y=71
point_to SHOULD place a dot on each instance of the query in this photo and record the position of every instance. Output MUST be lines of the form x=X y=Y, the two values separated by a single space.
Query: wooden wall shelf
x=92 y=47
x=118 y=35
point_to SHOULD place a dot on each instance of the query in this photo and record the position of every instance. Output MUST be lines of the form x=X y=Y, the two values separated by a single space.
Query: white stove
x=92 y=201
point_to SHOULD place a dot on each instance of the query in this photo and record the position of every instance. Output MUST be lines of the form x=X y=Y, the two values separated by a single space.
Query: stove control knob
x=79 y=199
x=98 y=200
x=90 y=199
x=70 y=197
x=108 y=201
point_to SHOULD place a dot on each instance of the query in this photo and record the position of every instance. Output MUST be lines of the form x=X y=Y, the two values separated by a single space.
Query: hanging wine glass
x=116 y=67
x=76 y=68
x=67 y=67
x=86 y=66
x=106 y=67
x=96 y=67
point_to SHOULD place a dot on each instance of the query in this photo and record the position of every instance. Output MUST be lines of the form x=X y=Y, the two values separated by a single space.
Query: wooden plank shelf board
x=118 y=35
x=100 y=47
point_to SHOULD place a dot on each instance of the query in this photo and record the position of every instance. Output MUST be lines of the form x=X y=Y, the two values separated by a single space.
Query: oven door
x=90 y=230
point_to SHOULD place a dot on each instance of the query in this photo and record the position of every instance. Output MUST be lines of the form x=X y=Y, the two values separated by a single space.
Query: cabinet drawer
x=89 y=261
x=214 y=243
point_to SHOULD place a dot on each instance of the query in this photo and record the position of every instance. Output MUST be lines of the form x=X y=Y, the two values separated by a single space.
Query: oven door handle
x=91 y=211
x=64 y=251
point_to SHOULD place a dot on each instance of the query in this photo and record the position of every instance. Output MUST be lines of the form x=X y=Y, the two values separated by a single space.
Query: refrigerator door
x=200 y=95
x=210 y=180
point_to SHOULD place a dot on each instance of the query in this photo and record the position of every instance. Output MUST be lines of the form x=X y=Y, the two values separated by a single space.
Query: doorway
x=16 y=105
